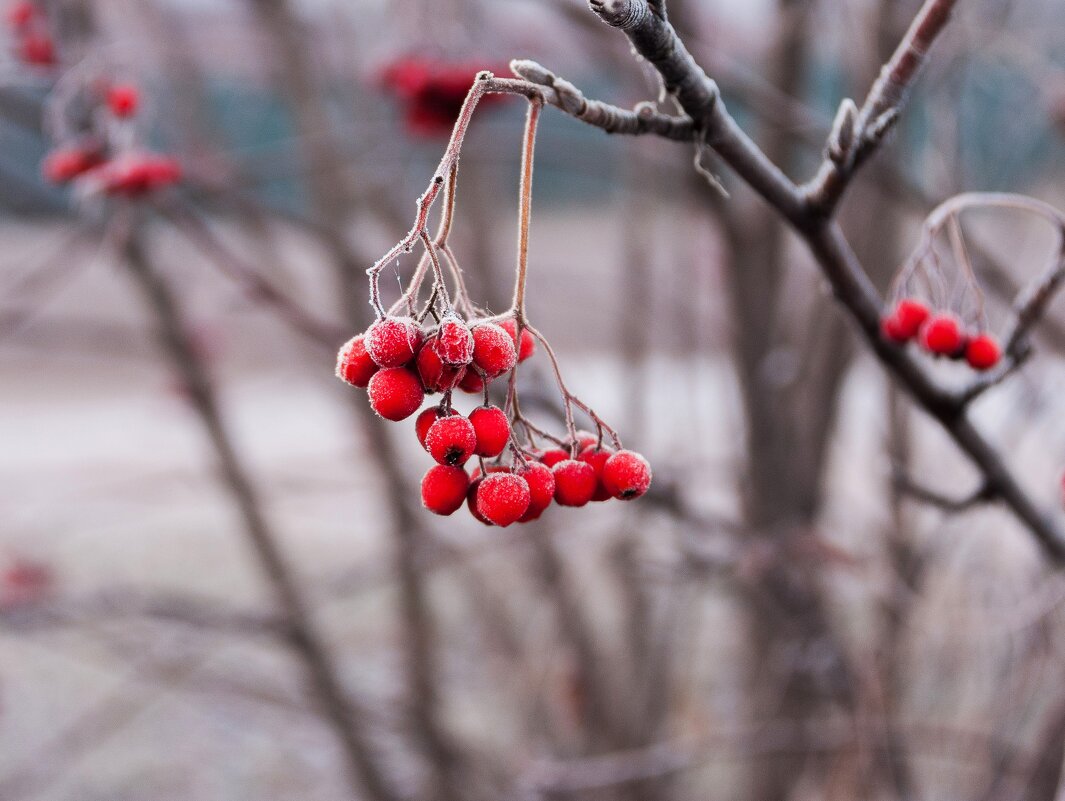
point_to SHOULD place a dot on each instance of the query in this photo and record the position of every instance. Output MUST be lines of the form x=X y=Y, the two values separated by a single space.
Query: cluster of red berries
x=940 y=333
x=398 y=364
x=431 y=92
x=132 y=173
x=33 y=42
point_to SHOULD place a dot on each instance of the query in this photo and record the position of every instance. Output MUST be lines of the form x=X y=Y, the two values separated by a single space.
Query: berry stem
x=528 y=149
x=569 y=400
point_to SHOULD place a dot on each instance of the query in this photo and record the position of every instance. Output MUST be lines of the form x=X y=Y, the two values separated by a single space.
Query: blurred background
x=216 y=579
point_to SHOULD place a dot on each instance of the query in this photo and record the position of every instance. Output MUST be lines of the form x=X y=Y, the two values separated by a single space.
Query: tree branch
x=655 y=40
x=857 y=133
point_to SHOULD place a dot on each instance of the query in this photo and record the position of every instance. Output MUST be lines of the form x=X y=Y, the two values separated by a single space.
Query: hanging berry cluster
x=94 y=122
x=31 y=40
x=415 y=349
x=952 y=323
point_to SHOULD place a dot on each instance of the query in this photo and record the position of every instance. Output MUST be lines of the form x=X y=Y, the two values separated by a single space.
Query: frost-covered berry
x=354 y=364
x=626 y=475
x=493 y=349
x=575 y=482
x=454 y=342
x=426 y=419
x=451 y=440
x=471 y=498
x=492 y=429
x=597 y=457
x=123 y=99
x=471 y=382
x=444 y=489
x=942 y=335
x=586 y=439
x=541 y=483
x=983 y=352
x=553 y=456
x=393 y=341
x=528 y=342
x=905 y=320
x=395 y=393
x=503 y=498
x=436 y=376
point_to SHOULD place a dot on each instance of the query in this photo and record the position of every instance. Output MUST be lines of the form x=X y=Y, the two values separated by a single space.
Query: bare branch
x=643 y=119
x=879 y=112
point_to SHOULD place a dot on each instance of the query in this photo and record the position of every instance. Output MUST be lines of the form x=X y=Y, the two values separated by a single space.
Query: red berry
x=451 y=440
x=541 y=483
x=906 y=320
x=492 y=429
x=436 y=376
x=554 y=456
x=136 y=173
x=471 y=499
x=892 y=330
x=493 y=349
x=471 y=382
x=354 y=364
x=37 y=49
x=426 y=419
x=67 y=163
x=597 y=457
x=503 y=498
x=942 y=335
x=586 y=439
x=528 y=342
x=454 y=342
x=626 y=475
x=444 y=489
x=575 y=482
x=21 y=13
x=123 y=99
x=982 y=352
x=395 y=393
x=393 y=341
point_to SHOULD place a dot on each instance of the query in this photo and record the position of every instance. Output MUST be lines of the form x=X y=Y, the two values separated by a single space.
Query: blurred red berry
x=354 y=364
x=905 y=320
x=37 y=49
x=123 y=99
x=983 y=352
x=395 y=393
x=64 y=164
x=20 y=14
x=942 y=335
x=431 y=92
x=626 y=475
x=444 y=489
